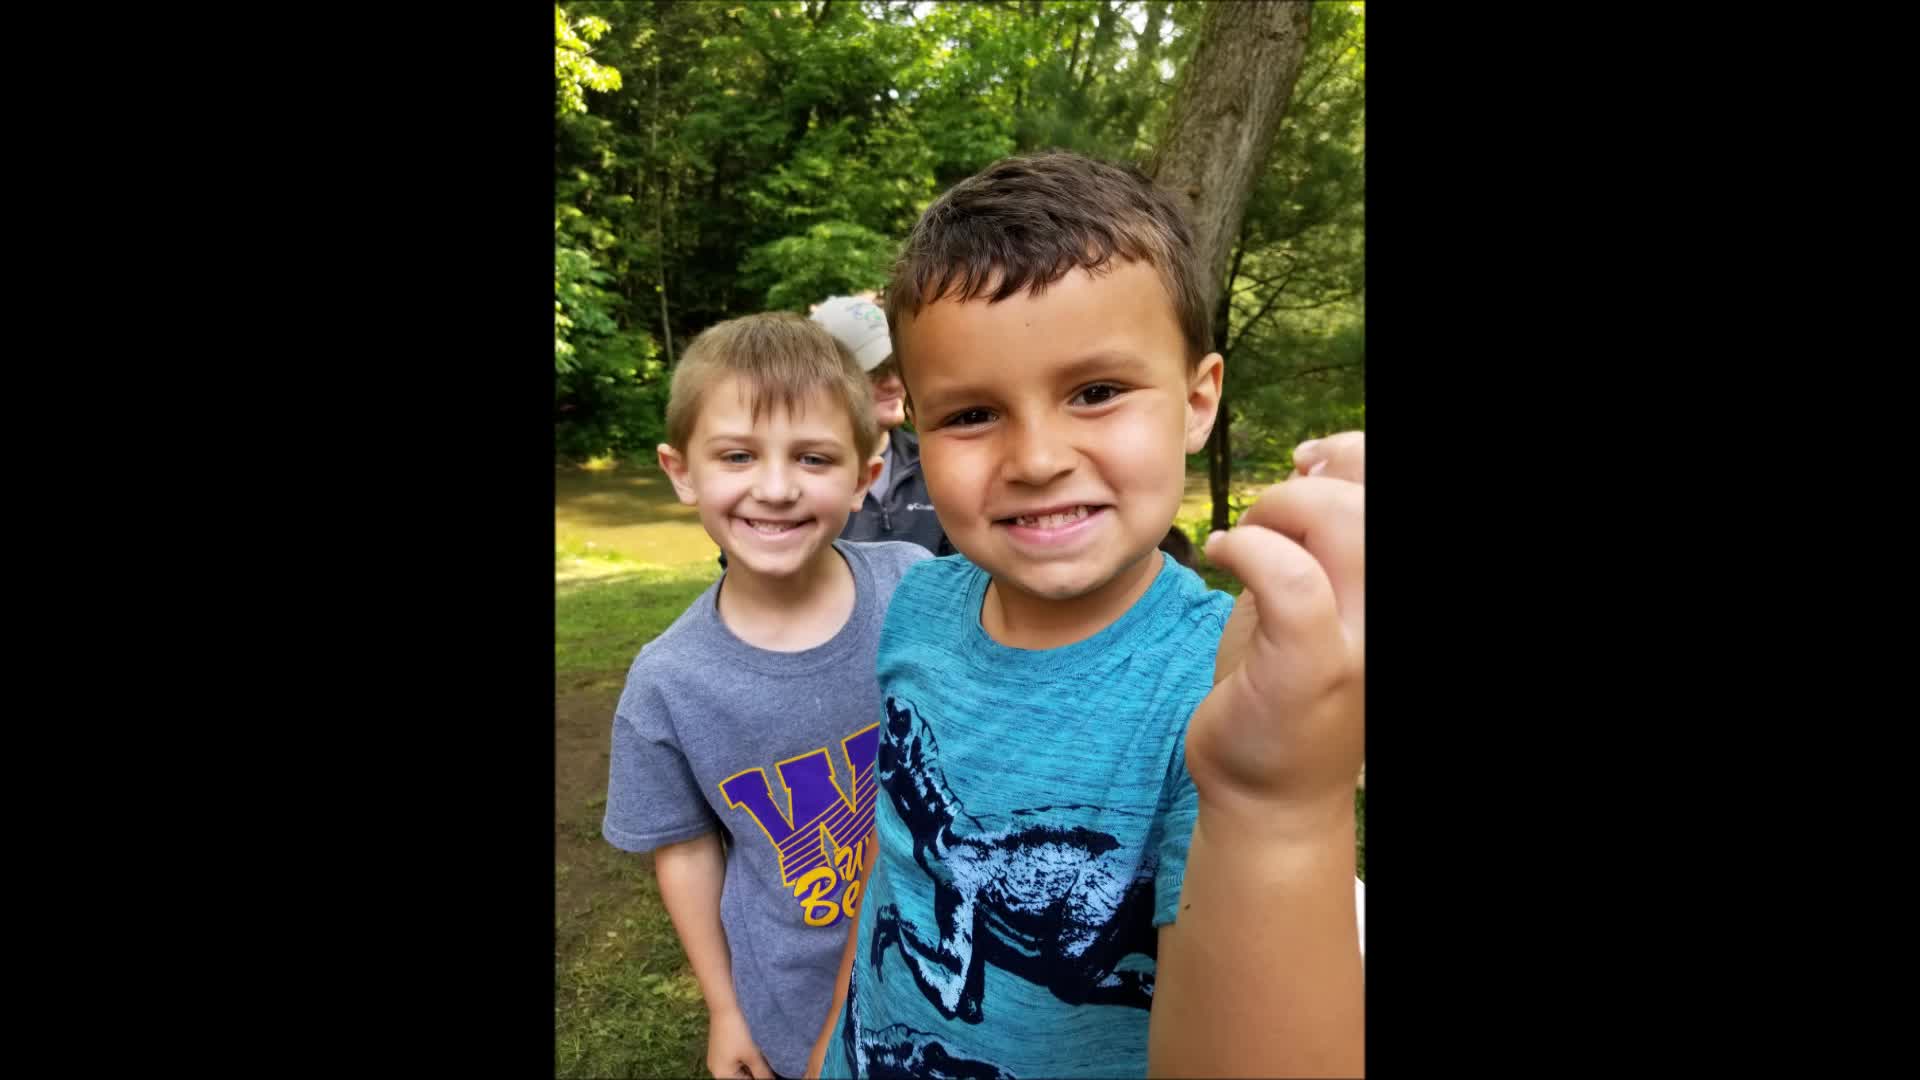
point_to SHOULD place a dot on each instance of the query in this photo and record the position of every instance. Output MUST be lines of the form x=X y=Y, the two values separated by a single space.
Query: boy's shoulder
x=935 y=578
x=887 y=560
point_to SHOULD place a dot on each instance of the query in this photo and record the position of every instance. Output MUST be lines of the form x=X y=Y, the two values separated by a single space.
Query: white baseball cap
x=860 y=325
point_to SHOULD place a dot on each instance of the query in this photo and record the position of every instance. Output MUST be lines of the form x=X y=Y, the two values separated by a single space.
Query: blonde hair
x=782 y=359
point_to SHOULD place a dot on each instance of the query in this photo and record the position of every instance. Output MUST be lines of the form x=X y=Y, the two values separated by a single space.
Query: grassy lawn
x=606 y=607
x=625 y=1001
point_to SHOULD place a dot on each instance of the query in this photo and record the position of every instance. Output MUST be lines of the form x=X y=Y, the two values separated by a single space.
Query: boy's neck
x=1021 y=620
x=791 y=612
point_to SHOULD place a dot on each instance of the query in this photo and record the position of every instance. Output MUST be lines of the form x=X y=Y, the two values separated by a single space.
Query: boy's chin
x=774 y=564
x=1061 y=584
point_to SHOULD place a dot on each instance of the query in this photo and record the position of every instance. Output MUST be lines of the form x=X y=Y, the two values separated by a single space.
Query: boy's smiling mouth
x=1053 y=524
x=1051 y=519
x=770 y=526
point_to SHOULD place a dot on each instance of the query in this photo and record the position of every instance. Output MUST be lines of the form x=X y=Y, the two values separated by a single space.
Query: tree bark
x=1224 y=117
x=1219 y=133
x=1220 y=466
x=1220 y=442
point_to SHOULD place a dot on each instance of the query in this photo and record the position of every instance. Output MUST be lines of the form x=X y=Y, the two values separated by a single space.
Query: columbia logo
x=919 y=506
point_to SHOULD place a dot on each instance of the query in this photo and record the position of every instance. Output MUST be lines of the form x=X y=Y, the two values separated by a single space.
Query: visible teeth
x=771 y=527
x=1053 y=521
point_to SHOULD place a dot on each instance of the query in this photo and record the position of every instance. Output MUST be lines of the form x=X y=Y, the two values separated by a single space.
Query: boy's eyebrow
x=1101 y=361
x=824 y=443
x=805 y=442
x=1098 y=362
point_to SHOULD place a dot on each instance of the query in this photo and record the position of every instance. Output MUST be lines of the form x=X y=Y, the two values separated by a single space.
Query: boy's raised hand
x=1280 y=740
x=1261 y=973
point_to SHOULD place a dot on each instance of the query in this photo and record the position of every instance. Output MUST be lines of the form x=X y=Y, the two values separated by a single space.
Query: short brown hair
x=781 y=357
x=1031 y=221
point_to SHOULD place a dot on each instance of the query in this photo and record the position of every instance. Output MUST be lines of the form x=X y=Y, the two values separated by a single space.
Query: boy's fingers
x=1329 y=519
x=1231 y=651
x=1342 y=456
x=1297 y=607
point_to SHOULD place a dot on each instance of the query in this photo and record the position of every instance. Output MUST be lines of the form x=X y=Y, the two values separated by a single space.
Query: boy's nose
x=1037 y=454
x=776 y=484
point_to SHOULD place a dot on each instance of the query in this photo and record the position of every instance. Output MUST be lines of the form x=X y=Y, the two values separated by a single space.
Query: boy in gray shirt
x=757 y=712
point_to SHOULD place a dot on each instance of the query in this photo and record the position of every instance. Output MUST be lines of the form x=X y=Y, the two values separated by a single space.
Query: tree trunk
x=1219 y=466
x=659 y=215
x=1220 y=442
x=1220 y=130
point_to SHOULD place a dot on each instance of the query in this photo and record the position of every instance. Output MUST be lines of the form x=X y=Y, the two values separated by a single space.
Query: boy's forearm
x=690 y=876
x=1261 y=973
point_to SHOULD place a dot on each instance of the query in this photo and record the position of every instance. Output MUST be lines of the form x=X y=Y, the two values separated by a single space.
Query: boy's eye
x=968 y=418
x=736 y=457
x=1098 y=394
x=817 y=460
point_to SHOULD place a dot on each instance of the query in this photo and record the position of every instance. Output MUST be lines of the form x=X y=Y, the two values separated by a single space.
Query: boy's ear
x=1203 y=401
x=869 y=472
x=675 y=466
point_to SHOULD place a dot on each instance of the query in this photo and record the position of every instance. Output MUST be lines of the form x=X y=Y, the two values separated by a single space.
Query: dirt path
x=581 y=720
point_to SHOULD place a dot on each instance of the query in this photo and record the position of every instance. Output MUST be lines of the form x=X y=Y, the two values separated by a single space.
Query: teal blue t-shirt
x=1033 y=817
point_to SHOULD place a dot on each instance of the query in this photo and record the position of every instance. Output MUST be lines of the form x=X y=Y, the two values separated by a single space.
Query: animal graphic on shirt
x=897 y=1052
x=1058 y=907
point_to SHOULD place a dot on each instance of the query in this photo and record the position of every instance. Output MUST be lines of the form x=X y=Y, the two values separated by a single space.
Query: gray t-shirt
x=778 y=749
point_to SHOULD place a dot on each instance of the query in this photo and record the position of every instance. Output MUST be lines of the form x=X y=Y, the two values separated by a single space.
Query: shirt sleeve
x=653 y=798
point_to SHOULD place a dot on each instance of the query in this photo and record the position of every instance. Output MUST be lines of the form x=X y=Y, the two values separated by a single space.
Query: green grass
x=606 y=607
x=625 y=1003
